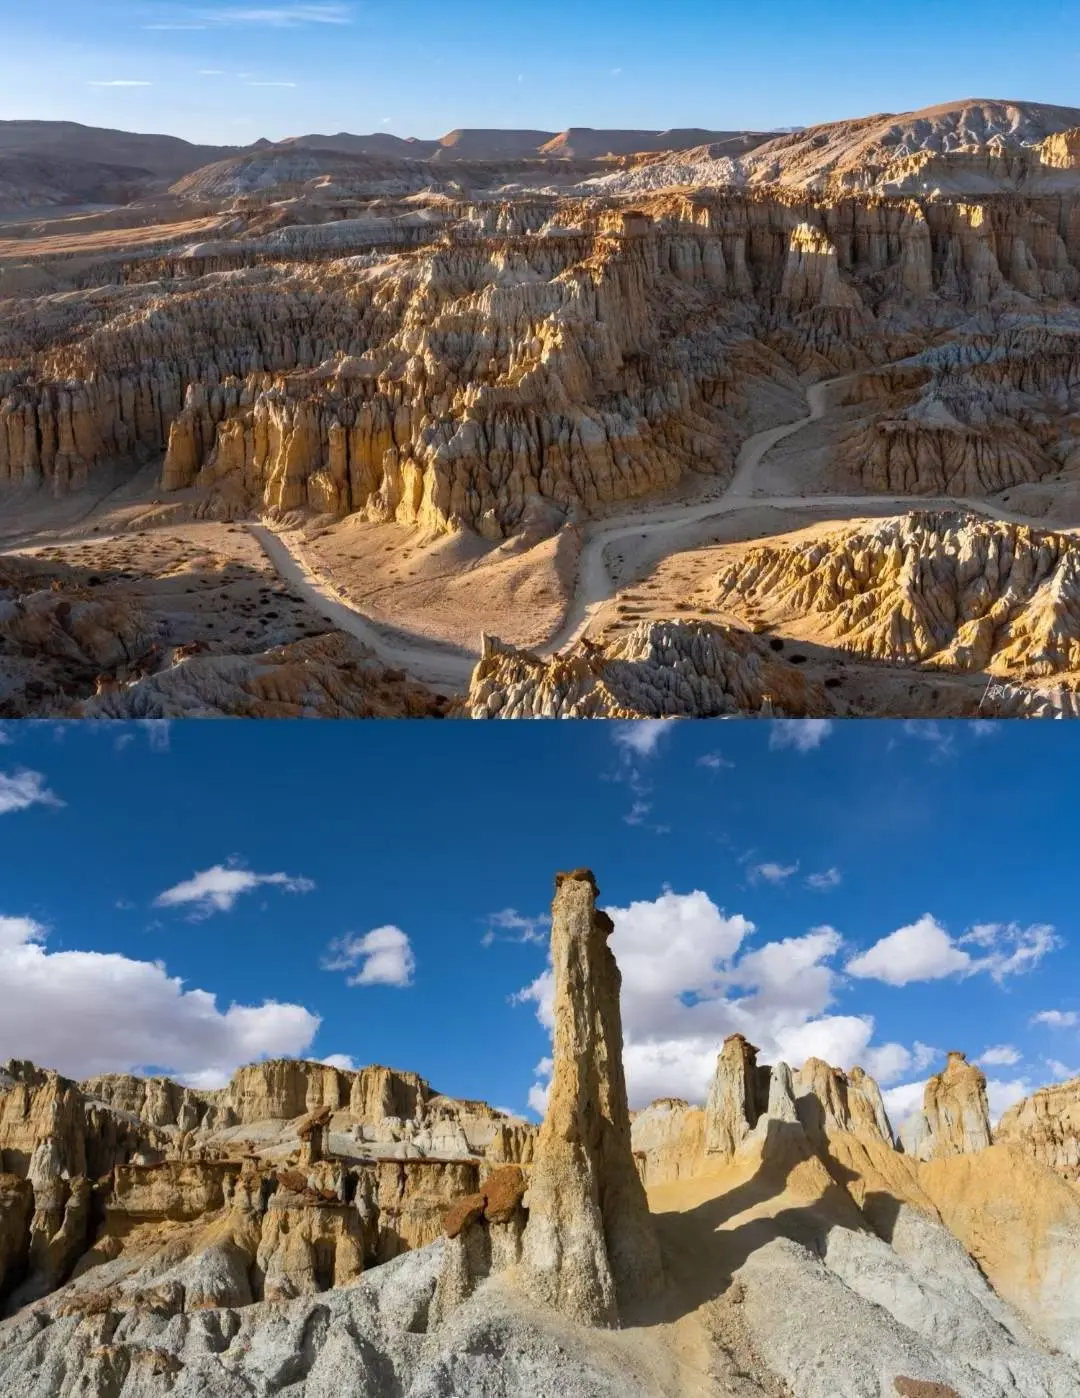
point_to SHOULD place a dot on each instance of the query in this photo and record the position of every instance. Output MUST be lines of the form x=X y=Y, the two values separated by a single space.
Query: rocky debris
x=589 y=1249
x=1046 y=1125
x=658 y=669
x=955 y=1119
x=954 y=591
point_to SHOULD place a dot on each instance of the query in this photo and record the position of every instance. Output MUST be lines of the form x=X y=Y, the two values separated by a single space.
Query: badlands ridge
x=311 y=1231
x=519 y=423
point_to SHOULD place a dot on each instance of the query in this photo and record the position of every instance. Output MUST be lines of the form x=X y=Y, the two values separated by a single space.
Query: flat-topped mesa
x=955 y=1119
x=589 y=1247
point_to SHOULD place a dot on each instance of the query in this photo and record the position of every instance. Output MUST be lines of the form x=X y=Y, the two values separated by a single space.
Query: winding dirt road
x=448 y=668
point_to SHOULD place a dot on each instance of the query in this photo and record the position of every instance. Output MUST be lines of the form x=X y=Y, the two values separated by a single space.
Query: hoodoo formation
x=313 y=1230
x=515 y=424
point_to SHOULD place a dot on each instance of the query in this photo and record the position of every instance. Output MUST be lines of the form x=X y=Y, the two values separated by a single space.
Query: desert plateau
x=599 y=423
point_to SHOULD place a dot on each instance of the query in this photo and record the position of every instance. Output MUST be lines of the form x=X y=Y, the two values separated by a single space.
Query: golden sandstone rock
x=589 y=1248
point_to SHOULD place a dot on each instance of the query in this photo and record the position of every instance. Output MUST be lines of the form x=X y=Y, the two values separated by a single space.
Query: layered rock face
x=576 y=351
x=1046 y=1125
x=589 y=1247
x=955 y=1119
x=310 y=1173
x=954 y=591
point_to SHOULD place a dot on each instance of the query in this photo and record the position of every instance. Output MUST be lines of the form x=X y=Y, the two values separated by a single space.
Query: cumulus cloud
x=799 y=734
x=1061 y=1071
x=821 y=883
x=1000 y=1055
x=690 y=977
x=925 y=951
x=216 y=890
x=88 y=1012
x=21 y=790
x=771 y=872
x=381 y=957
x=902 y=1100
x=1056 y=1019
x=339 y=1060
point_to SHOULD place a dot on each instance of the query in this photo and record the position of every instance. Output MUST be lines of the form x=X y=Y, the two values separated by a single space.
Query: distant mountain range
x=49 y=163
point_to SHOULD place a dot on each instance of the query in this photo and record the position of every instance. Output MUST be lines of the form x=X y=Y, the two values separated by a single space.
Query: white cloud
x=1000 y=1055
x=801 y=734
x=923 y=1055
x=642 y=737
x=901 y=1101
x=122 y=82
x=637 y=813
x=689 y=979
x=821 y=883
x=511 y=926
x=94 y=1012
x=211 y=72
x=1060 y=1070
x=1056 y=1019
x=21 y=790
x=381 y=957
x=924 y=951
x=1012 y=949
x=216 y=890
x=270 y=84
x=772 y=872
x=339 y=1060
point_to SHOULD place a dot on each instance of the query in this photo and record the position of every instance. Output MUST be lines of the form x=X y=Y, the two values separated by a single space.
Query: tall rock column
x=589 y=1245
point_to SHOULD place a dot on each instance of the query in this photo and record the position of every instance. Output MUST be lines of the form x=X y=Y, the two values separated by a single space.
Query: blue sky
x=375 y=892
x=227 y=71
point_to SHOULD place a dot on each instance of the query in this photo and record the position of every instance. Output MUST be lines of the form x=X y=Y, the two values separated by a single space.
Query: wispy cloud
x=211 y=72
x=799 y=734
x=511 y=926
x=821 y=883
x=642 y=736
x=270 y=84
x=714 y=761
x=1056 y=1019
x=21 y=790
x=120 y=82
x=216 y=890
x=277 y=16
x=771 y=872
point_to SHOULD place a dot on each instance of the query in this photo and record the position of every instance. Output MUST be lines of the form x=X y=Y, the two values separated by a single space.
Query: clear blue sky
x=426 y=67
x=865 y=891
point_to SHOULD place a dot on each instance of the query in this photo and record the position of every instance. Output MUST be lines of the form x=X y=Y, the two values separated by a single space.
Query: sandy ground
x=448 y=588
